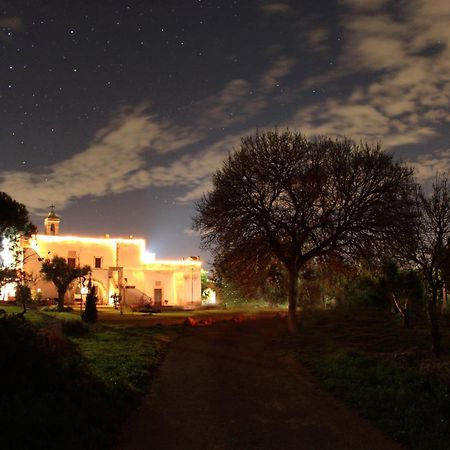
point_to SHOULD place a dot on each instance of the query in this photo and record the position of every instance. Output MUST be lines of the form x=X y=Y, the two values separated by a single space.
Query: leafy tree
x=14 y=223
x=283 y=197
x=7 y=275
x=61 y=274
x=14 y=217
x=23 y=295
x=429 y=250
x=90 y=312
x=365 y=289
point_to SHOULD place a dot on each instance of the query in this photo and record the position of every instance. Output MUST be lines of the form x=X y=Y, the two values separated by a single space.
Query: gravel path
x=225 y=387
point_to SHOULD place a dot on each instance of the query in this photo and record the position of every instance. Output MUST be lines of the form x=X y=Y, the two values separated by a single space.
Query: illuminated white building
x=119 y=266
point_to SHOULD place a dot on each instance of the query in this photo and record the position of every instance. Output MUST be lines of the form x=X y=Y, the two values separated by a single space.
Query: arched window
x=52 y=228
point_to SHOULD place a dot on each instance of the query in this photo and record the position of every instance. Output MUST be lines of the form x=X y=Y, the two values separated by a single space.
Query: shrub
x=90 y=313
x=74 y=327
x=364 y=290
x=48 y=395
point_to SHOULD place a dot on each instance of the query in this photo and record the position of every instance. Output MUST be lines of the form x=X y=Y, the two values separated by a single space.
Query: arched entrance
x=100 y=291
x=102 y=294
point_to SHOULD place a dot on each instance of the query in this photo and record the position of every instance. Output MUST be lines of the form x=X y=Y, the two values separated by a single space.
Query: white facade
x=119 y=266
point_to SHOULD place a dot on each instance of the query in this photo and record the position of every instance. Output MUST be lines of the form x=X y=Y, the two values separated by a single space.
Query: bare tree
x=285 y=197
x=429 y=249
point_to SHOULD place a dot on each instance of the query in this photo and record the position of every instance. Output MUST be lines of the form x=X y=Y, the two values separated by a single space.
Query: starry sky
x=118 y=112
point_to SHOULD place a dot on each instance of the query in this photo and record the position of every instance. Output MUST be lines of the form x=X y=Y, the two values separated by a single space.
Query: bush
x=90 y=313
x=74 y=327
x=54 y=308
x=365 y=291
x=48 y=395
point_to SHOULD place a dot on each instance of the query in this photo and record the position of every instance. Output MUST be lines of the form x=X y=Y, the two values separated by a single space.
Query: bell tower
x=51 y=222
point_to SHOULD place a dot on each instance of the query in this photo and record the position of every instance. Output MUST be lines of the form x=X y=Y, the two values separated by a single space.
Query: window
x=98 y=263
x=72 y=262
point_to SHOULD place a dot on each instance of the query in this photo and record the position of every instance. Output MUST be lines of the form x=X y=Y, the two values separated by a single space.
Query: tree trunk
x=293 y=300
x=61 y=300
x=432 y=313
x=406 y=315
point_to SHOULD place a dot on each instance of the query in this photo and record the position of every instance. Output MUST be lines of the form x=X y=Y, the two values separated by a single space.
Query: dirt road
x=228 y=387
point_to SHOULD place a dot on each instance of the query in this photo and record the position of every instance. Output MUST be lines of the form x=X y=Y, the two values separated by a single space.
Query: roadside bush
x=48 y=395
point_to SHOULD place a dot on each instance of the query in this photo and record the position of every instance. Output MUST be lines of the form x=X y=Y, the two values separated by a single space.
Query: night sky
x=118 y=112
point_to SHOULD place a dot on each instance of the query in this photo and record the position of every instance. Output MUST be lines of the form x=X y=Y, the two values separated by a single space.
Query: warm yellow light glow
x=147 y=258
x=8 y=291
x=98 y=240
x=6 y=255
x=174 y=262
x=84 y=290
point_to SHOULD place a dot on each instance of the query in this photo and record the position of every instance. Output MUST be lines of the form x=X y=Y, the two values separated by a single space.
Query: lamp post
x=192 y=286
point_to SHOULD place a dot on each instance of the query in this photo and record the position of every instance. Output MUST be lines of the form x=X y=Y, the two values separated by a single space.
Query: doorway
x=157 y=295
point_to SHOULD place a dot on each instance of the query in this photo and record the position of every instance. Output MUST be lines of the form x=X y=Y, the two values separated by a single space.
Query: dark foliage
x=365 y=290
x=74 y=328
x=90 y=313
x=14 y=217
x=23 y=295
x=49 y=400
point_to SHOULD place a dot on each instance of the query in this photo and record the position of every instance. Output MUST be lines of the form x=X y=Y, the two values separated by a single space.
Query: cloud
x=113 y=162
x=121 y=156
x=196 y=193
x=191 y=232
x=365 y=5
x=241 y=100
x=427 y=166
x=10 y=25
x=281 y=67
x=397 y=62
x=276 y=8
x=317 y=39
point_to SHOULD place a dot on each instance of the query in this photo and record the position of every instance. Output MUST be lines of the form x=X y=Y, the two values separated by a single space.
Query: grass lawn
x=386 y=371
x=123 y=357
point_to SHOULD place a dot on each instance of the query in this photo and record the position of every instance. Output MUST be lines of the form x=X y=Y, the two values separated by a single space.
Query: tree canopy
x=14 y=216
x=281 y=196
x=62 y=274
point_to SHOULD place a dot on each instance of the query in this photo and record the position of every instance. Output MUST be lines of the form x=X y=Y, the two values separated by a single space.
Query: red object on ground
x=191 y=322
